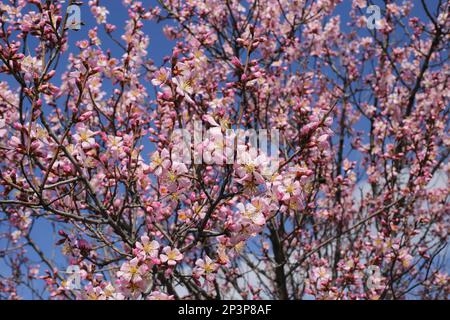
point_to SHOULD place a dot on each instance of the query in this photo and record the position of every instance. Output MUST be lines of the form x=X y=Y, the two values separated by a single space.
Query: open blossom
x=157 y=295
x=441 y=278
x=288 y=189
x=147 y=248
x=405 y=258
x=160 y=77
x=213 y=146
x=133 y=271
x=160 y=162
x=174 y=178
x=222 y=255
x=31 y=66
x=249 y=212
x=15 y=236
x=250 y=167
x=184 y=85
x=206 y=267
x=3 y=130
x=115 y=144
x=103 y=292
x=321 y=275
x=374 y=281
x=100 y=13
x=85 y=137
x=171 y=256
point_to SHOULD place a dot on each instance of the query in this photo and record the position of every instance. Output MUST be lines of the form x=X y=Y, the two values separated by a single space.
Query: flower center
x=84 y=136
x=209 y=268
x=290 y=189
x=186 y=85
x=172 y=255
x=133 y=270
x=250 y=168
x=172 y=176
x=148 y=248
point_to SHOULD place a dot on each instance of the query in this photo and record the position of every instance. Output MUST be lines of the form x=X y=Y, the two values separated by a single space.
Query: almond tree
x=361 y=184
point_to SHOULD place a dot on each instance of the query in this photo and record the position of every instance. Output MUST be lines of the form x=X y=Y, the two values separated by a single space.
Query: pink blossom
x=157 y=295
x=84 y=137
x=160 y=77
x=249 y=212
x=148 y=248
x=160 y=162
x=170 y=256
x=184 y=85
x=205 y=267
x=132 y=271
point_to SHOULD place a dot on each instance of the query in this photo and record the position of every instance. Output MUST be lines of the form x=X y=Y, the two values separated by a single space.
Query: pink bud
x=85 y=116
x=235 y=61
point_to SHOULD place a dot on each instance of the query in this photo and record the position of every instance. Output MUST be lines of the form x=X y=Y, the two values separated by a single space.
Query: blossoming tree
x=362 y=116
